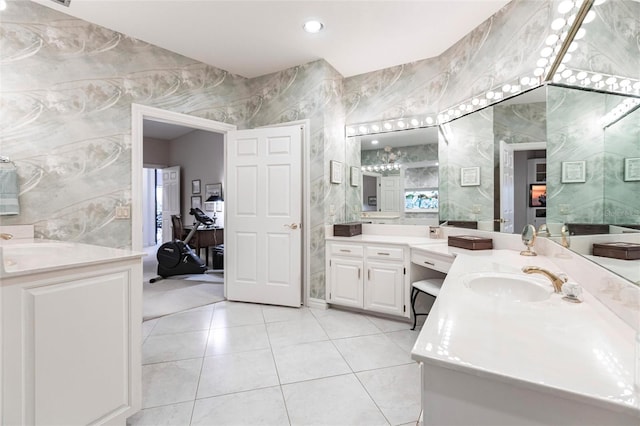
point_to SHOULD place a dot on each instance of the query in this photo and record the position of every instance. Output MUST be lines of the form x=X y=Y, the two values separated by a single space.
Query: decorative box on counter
x=470 y=242
x=347 y=229
x=621 y=250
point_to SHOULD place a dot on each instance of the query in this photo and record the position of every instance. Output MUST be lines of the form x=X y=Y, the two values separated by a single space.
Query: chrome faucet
x=6 y=236
x=556 y=280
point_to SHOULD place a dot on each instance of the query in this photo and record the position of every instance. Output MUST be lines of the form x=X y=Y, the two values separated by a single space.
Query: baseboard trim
x=317 y=303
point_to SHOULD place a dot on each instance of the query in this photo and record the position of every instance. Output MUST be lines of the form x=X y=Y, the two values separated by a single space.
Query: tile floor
x=246 y=364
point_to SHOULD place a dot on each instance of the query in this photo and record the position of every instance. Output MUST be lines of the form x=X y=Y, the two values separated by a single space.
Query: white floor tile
x=232 y=314
x=396 y=391
x=339 y=400
x=167 y=415
x=339 y=324
x=282 y=313
x=170 y=382
x=239 y=372
x=147 y=327
x=388 y=325
x=404 y=338
x=237 y=339
x=370 y=352
x=287 y=333
x=173 y=347
x=257 y=407
x=309 y=361
x=193 y=320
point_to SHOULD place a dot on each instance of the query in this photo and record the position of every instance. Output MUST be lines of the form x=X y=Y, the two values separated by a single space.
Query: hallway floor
x=245 y=364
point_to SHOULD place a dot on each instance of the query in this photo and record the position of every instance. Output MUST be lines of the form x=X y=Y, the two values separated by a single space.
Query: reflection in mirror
x=399 y=177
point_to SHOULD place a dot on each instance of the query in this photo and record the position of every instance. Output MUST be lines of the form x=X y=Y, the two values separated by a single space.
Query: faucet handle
x=572 y=292
x=564 y=277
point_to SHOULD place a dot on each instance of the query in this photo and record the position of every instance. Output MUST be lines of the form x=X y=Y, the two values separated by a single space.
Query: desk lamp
x=214 y=199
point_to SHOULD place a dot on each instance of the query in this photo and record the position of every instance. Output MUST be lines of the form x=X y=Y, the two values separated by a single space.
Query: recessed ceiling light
x=374 y=142
x=313 y=26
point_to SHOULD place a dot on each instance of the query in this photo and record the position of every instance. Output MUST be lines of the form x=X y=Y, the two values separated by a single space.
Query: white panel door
x=390 y=193
x=507 y=174
x=170 y=200
x=264 y=210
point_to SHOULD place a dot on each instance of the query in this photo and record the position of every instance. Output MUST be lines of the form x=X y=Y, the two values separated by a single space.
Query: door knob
x=291 y=226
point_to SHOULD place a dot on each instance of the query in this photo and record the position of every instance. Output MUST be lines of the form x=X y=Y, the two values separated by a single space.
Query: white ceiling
x=164 y=131
x=253 y=38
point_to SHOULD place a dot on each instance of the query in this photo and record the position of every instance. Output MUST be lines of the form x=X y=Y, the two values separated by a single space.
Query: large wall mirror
x=564 y=153
x=398 y=177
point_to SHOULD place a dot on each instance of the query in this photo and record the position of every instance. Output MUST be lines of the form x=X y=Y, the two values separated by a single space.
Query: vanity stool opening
x=430 y=286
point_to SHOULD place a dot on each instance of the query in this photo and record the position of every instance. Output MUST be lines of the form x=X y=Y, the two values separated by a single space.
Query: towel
x=9 y=203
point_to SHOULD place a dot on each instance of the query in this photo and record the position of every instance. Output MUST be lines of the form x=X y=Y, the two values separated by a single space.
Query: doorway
x=141 y=113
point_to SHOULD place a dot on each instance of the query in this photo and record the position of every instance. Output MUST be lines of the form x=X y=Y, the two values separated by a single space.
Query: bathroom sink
x=509 y=287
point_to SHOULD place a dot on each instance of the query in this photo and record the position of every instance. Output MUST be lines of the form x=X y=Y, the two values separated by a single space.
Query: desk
x=205 y=238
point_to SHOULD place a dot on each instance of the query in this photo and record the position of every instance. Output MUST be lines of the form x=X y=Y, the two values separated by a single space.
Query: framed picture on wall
x=470 y=176
x=355 y=176
x=196 y=202
x=573 y=171
x=195 y=186
x=212 y=189
x=335 y=171
x=631 y=169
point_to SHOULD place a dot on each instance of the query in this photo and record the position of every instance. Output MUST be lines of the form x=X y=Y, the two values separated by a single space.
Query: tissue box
x=347 y=229
x=470 y=242
x=621 y=250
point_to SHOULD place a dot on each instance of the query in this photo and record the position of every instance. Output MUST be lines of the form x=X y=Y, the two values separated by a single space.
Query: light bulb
x=388 y=126
x=375 y=142
x=351 y=131
x=538 y=72
x=581 y=75
x=3 y=5
x=375 y=127
x=565 y=6
x=429 y=120
x=475 y=101
x=363 y=129
x=611 y=80
x=542 y=62
x=552 y=39
x=580 y=34
x=490 y=94
x=596 y=78
x=414 y=122
x=312 y=26
x=400 y=124
x=558 y=24
x=591 y=15
x=546 y=52
x=625 y=83
x=524 y=80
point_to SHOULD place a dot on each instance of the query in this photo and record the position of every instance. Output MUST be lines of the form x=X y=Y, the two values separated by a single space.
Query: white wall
x=200 y=155
x=155 y=153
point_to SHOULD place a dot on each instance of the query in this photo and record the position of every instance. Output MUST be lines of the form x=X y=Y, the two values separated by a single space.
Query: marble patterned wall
x=611 y=45
x=504 y=47
x=621 y=195
x=574 y=134
x=464 y=143
x=66 y=95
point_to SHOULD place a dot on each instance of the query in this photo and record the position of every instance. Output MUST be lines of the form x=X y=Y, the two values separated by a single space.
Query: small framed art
x=336 y=171
x=631 y=169
x=470 y=176
x=573 y=171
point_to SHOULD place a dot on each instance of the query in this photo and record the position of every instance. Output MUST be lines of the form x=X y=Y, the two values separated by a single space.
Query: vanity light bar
x=491 y=96
x=599 y=81
x=620 y=111
x=381 y=167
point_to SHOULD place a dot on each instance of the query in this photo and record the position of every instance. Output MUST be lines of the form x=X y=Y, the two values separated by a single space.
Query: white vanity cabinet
x=71 y=343
x=368 y=276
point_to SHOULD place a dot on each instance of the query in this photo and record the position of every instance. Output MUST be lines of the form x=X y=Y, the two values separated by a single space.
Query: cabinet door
x=346 y=282
x=383 y=287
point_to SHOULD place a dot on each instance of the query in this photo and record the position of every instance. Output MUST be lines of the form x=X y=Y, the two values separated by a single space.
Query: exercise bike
x=177 y=258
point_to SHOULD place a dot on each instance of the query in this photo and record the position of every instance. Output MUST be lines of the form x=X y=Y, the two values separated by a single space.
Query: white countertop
x=579 y=351
x=387 y=239
x=25 y=256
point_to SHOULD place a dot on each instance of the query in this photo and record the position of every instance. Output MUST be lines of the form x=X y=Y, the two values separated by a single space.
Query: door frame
x=522 y=146
x=139 y=113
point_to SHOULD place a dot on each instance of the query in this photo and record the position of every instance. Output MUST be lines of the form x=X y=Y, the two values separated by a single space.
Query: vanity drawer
x=388 y=253
x=346 y=250
x=431 y=262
